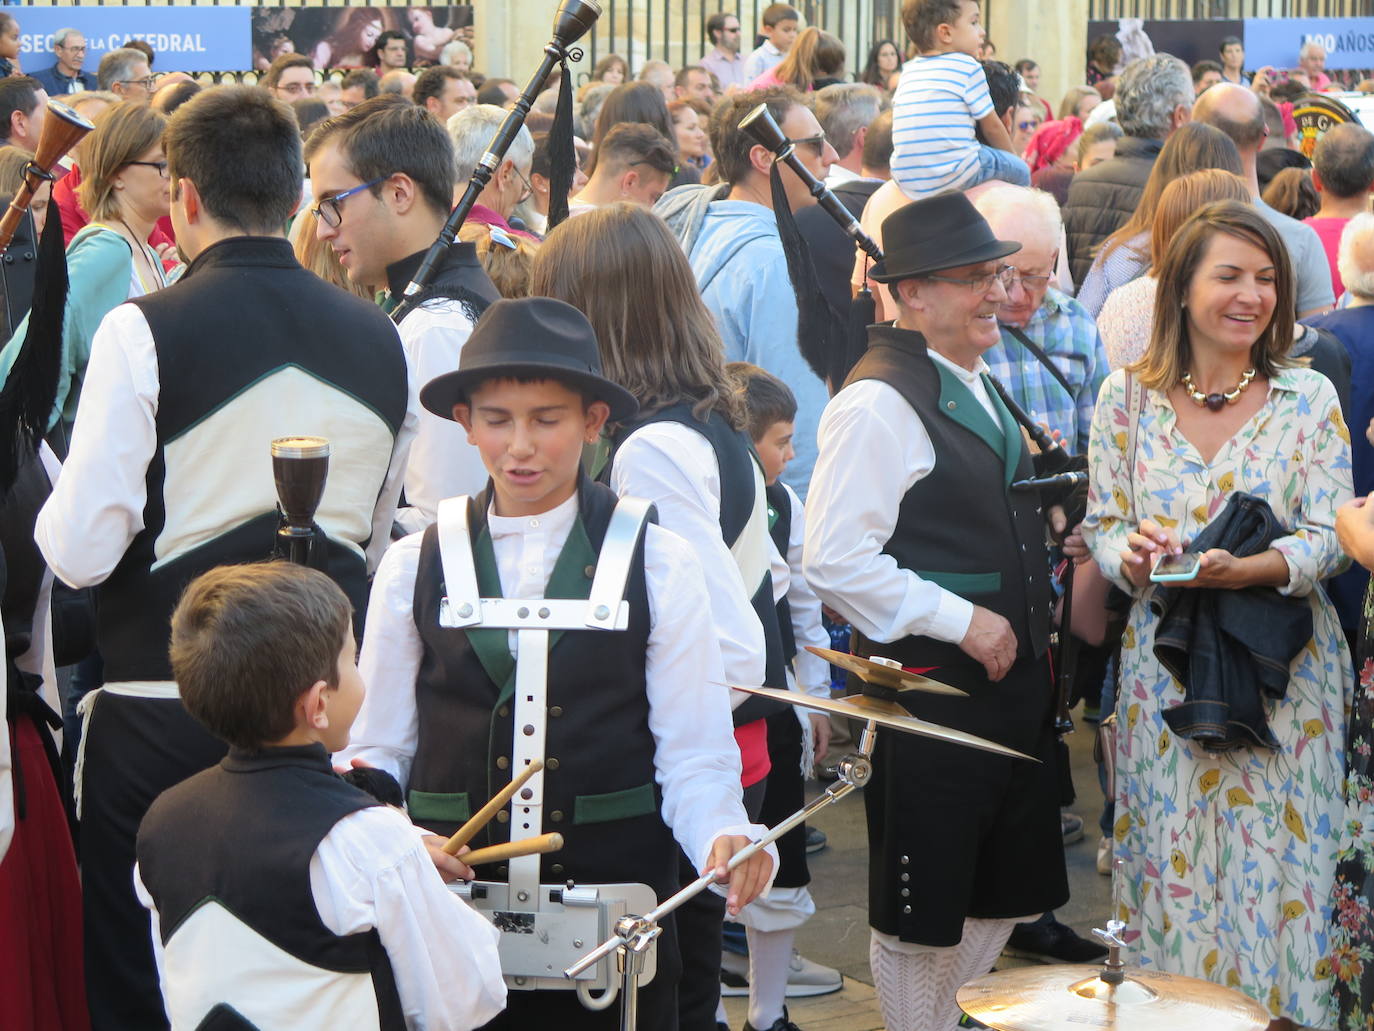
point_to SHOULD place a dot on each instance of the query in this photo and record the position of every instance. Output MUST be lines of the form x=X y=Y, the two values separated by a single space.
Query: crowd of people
x=624 y=451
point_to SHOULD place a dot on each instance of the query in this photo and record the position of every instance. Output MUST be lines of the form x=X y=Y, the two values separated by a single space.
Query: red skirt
x=42 y=980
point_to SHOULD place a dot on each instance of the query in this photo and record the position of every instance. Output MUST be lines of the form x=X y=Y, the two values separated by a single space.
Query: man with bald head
x=1236 y=111
x=1343 y=173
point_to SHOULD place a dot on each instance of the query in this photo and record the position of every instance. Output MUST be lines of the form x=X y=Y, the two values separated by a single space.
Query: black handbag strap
x=1044 y=359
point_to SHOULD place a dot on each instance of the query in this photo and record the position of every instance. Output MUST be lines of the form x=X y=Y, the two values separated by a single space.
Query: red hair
x=1049 y=142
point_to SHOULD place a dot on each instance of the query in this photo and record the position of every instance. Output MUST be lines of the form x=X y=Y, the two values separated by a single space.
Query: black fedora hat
x=940 y=232
x=529 y=337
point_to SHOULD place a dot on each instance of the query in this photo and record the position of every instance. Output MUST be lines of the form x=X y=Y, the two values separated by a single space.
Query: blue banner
x=1349 y=42
x=185 y=39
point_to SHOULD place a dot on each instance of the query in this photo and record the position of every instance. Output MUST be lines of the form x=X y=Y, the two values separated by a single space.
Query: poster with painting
x=361 y=37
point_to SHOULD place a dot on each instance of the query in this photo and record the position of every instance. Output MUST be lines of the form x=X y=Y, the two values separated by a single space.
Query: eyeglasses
x=1037 y=282
x=816 y=143
x=330 y=211
x=981 y=284
x=298 y=89
x=147 y=83
x=1030 y=126
x=74 y=50
x=529 y=186
x=161 y=166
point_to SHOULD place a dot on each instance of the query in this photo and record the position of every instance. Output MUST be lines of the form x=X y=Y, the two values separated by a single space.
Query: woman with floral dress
x=1228 y=858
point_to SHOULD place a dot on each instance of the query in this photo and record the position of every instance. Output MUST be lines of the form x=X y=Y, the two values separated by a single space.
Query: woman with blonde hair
x=1124 y=254
x=816 y=59
x=317 y=256
x=1127 y=317
x=1235 y=676
x=124 y=187
x=1079 y=102
x=507 y=258
x=689 y=453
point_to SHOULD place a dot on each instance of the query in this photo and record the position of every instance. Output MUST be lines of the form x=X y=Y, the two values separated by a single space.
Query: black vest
x=780 y=529
x=458 y=277
x=240 y=835
x=599 y=786
x=961 y=527
x=737 y=462
x=244 y=312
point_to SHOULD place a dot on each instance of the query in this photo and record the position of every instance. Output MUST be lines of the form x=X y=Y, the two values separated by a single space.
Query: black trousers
x=698 y=931
x=136 y=748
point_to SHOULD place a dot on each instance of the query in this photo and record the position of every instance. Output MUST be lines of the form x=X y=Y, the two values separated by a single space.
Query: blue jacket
x=737 y=258
x=56 y=84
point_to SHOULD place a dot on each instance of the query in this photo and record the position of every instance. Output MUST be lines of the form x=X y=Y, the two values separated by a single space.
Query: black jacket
x=1230 y=650
x=1103 y=197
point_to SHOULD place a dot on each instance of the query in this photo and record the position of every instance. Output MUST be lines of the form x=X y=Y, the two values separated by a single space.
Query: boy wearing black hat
x=919 y=542
x=623 y=721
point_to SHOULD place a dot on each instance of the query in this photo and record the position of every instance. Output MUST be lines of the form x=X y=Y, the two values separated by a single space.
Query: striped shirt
x=937 y=102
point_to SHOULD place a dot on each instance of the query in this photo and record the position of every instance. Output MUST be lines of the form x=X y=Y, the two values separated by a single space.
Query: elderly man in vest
x=919 y=542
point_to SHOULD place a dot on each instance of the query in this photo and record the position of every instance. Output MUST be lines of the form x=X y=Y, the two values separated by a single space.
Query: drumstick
x=469 y=830
x=514 y=849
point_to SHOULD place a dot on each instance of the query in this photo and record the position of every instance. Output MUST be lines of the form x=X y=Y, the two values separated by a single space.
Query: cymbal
x=888 y=714
x=880 y=673
x=1052 y=998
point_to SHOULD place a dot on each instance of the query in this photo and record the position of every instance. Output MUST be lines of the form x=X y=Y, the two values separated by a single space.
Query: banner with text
x=185 y=39
x=1349 y=42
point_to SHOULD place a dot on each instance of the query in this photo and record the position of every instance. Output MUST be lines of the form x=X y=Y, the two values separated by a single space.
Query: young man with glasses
x=66 y=76
x=915 y=538
x=169 y=475
x=290 y=77
x=383 y=180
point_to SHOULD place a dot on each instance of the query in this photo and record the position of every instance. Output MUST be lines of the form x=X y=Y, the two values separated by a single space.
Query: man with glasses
x=915 y=538
x=290 y=77
x=471 y=130
x=66 y=76
x=634 y=164
x=443 y=91
x=126 y=74
x=168 y=475
x=731 y=236
x=724 y=60
x=383 y=178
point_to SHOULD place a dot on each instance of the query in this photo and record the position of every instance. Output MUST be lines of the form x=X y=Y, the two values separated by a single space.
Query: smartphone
x=1172 y=568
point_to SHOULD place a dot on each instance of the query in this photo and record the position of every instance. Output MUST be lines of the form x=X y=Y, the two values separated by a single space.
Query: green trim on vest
x=491 y=646
x=963 y=584
x=439 y=806
x=615 y=805
x=957 y=402
x=1012 y=444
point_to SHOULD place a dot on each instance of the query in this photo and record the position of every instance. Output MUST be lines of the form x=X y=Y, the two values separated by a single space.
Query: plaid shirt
x=1065 y=331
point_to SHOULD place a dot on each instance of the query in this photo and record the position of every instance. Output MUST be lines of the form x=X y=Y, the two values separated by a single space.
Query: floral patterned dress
x=1229 y=859
x=1352 y=936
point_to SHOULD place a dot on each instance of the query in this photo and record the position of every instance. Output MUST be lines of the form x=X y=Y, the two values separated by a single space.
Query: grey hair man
x=1236 y=111
x=125 y=73
x=66 y=76
x=1312 y=65
x=471 y=131
x=845 y=111
x=660 y=74
x=1154 y=96
x=1343 y=173
x=1356 y=260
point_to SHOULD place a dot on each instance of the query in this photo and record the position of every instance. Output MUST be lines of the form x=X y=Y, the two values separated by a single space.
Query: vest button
x=503 y=817
x=556 y=711
x=502 y=763
x=504 y=711
x=906 y=877
x=556 y=816
x=906 y=893
x=951 y=405
x=528 y=728
x=906 y=909
x=552 y=764
x=905 y=860
x=589 y=572
x=556 y=868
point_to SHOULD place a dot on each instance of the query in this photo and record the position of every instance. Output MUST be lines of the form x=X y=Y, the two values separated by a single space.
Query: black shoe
x=781 y=1024
x=815 y=841
x=722 y=1026
x=1049 y=941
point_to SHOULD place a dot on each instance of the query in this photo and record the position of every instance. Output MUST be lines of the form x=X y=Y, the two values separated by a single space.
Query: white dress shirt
x=675 y=467
x=873 y=448
x=442 y=463
x=96 y=508
x=696 y=761
x=372 y=870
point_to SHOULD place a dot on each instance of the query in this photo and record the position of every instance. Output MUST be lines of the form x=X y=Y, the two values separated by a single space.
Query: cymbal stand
x=633 y=934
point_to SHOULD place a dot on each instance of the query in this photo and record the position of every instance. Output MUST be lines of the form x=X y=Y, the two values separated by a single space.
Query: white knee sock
x=721 y=1018
x=770 y=952
x=917 y=985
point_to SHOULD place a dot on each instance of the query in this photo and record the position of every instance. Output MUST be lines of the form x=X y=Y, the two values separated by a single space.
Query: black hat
x=940 y=232
x=529 y=336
